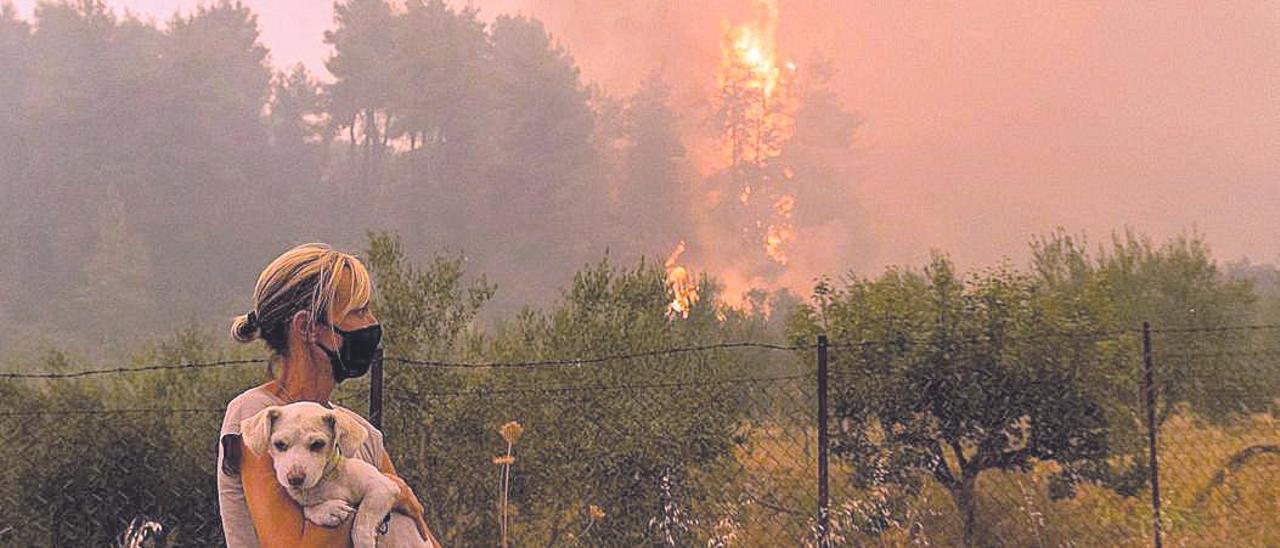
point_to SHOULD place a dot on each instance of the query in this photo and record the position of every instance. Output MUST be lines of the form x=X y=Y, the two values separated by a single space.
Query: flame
x=752 y=186
x=782 y=234
x=752 y=47
x=759 y=111
x=684 y=290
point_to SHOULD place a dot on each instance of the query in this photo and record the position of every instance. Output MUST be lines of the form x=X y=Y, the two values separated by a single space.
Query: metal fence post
x=375 y=394
x=824 y=514
x=1149 y=386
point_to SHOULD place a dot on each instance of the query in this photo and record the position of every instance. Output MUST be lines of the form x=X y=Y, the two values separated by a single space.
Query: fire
x=751 y=194
x=758 y=111
x=684 y=290
x=781 y=235
x=753 y=52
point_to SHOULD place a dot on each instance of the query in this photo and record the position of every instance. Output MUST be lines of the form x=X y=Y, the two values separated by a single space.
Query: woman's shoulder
x=246 y=405
x=238 y=409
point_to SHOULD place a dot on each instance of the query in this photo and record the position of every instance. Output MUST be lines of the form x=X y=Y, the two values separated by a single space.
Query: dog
x=308 y=444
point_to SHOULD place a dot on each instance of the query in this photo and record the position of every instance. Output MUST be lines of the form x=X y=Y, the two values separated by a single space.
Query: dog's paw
x=330 y=513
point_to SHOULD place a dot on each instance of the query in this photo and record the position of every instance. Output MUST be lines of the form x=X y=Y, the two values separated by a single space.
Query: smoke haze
x=985 y=122
x=979 y=125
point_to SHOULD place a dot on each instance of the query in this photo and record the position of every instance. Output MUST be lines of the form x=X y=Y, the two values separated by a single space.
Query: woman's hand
x=408 y=504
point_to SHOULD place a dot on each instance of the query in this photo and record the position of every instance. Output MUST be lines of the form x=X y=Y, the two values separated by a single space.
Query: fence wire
x=716 y=445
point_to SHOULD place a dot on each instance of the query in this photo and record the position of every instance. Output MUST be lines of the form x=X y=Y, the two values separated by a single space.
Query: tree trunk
x=370 y=138
x=353 y=132
x=386 y=132
x=964 y=495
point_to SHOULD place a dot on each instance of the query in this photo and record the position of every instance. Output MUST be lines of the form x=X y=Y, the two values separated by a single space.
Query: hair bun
x=245 y=328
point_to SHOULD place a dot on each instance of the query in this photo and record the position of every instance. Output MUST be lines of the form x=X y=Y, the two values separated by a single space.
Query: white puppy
x=308 y=443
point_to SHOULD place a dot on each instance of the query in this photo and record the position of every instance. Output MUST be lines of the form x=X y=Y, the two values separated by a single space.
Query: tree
x=754 y=117
x=426 y=310
x=1204 y=368
x=297 y=110
x=15 y=46
x=441 y=64
x=1265 y=280
x=1175 y=285
x=300 y=155
x=208 y=148
x=445 y=120
x=90 y=76
x=577 y=440
x=537 y=199
x=818 y=155
x=656 y=197
x=362 y=67
x=947 y=379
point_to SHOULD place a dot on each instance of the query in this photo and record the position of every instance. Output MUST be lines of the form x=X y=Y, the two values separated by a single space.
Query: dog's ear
x=256 y=430
x=348 y=433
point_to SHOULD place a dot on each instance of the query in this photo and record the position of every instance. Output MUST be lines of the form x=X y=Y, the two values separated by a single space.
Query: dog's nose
x=296 y=480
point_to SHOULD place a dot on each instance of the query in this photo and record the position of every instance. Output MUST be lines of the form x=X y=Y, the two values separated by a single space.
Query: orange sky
x=987 y=121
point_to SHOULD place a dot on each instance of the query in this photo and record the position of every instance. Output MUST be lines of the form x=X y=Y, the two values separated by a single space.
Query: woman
x=311 y=308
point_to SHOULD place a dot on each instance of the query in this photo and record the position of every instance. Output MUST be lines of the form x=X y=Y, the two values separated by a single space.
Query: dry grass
x=1014 y=509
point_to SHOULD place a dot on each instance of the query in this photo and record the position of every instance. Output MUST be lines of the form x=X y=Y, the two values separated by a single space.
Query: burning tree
x=755 y=117
x=778 y=158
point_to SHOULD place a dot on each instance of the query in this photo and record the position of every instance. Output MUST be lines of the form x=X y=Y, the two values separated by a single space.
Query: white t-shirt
x=237 y=525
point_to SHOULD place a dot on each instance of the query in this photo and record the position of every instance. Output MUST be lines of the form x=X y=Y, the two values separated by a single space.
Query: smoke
x=989 y=122
x=984 y=122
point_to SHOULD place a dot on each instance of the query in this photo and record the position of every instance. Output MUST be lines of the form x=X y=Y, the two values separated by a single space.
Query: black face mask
x=360 y=348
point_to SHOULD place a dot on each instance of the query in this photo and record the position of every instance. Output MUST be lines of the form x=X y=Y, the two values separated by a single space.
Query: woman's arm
x=237 y=526
x=276 y=516
x=407 y=503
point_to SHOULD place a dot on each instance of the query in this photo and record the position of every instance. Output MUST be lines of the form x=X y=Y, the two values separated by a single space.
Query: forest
x=150 y=172
x=512 y=215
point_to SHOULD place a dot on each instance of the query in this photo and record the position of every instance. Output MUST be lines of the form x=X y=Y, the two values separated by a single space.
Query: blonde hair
x=313 y=277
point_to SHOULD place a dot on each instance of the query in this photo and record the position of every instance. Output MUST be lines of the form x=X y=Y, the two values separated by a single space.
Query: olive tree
x=939 y=378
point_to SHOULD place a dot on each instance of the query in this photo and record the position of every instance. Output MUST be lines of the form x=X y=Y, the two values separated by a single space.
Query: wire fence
x=1041 y=440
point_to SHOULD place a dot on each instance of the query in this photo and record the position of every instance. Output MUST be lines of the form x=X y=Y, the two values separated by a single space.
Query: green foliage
x=425 y=310
x=83 y=457
x=611 y=446
x=949 y=378
x=1174 y=286
x=974 y=388
x=130 y=137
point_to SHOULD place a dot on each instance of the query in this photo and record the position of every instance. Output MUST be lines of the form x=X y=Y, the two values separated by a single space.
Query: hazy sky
x=986 y=122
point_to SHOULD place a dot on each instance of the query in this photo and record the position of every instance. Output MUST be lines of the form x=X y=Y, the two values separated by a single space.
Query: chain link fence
x=719 y=445
x=1218 y=442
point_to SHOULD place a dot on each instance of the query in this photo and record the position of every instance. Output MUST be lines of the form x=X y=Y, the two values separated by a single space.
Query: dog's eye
x=317 y=445
x=281 y=446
